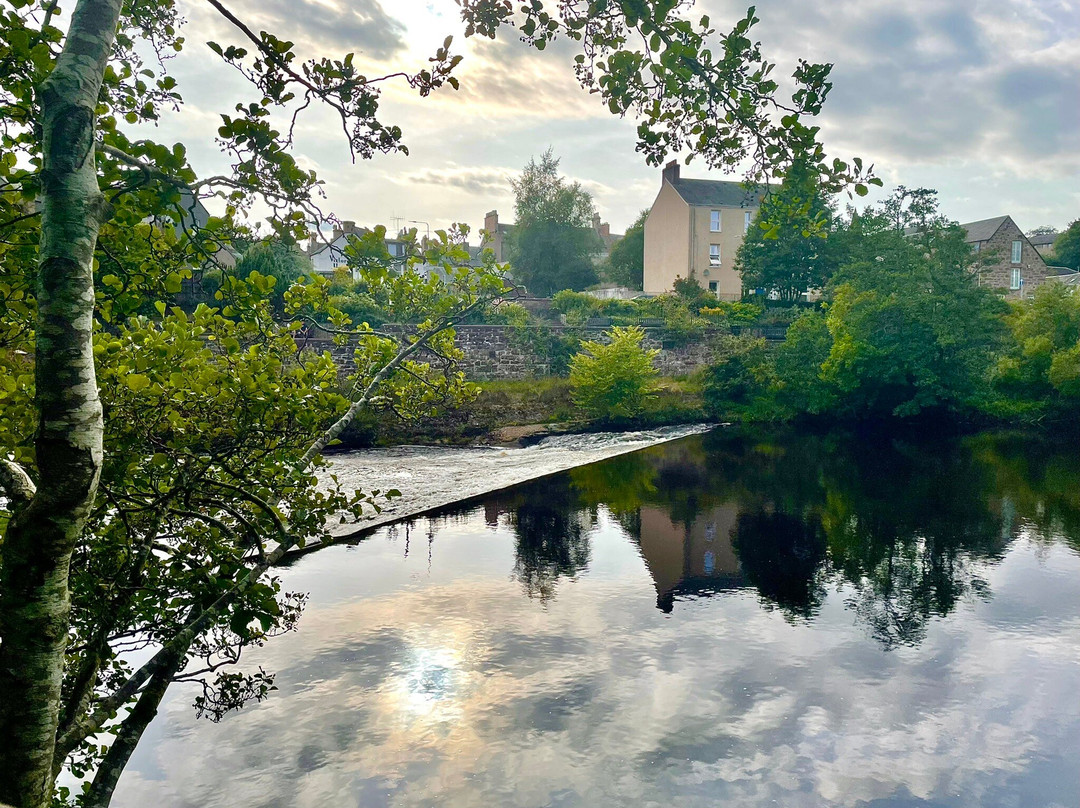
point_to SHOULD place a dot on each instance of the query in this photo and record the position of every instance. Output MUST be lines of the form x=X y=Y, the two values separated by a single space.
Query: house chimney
x=596 y=222
x=348 y=226
x=605 y=230
x=671 y=172
x=491 y=221
x=338 y=233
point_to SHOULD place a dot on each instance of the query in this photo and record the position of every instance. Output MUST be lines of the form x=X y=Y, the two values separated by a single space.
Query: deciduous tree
x=553 y=243
x=1067 y=246
x=626 y=263
x=784 y=252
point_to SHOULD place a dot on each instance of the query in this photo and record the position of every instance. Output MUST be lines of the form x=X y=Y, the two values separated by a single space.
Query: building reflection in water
x=898 y=524
x=689 y=559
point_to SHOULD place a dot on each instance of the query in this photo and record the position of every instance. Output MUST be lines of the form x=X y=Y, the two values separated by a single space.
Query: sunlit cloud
x=976 y=99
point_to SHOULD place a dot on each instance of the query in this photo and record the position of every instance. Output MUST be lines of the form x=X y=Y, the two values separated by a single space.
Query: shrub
x=1042 y=362
x=575 y=306
x=800 y=386
x=613 y=381
x=738 y=376
x=781 y=315
x=736 y=313
x=693 y=294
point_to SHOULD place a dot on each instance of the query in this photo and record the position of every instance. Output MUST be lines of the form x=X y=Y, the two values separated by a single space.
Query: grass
x=519 y=403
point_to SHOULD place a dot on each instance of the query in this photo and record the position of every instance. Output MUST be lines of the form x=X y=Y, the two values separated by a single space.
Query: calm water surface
x=723 y=620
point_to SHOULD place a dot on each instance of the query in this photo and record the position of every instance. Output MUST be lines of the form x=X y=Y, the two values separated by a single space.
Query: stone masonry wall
x=997 y=273
x=493 y=353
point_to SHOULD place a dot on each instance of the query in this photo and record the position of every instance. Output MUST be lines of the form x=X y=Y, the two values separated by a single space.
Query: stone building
x=497 y=236
x=694 y=229
x=1044 y=243
x=1005 y=258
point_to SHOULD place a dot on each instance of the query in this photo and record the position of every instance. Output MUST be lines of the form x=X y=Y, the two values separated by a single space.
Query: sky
x=979 y=99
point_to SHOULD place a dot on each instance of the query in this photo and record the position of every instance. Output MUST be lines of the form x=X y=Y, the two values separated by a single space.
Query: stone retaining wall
x=496 y=352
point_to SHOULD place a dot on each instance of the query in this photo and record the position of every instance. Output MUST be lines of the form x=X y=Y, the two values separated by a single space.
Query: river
x=730 y=618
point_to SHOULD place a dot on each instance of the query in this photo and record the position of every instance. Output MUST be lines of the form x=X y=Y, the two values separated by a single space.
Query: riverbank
x=518 y=413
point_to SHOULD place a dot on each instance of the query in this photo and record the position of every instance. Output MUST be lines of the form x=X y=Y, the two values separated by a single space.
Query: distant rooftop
x=1043 y=239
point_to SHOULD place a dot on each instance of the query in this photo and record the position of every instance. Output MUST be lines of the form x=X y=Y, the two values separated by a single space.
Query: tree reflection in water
x=550 y=532
x=904 y=527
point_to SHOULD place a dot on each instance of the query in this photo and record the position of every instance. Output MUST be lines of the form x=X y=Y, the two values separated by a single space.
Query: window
x=714 y=255
x=714 y=221
x=977 y=247
x=1017 y=280
x=713 y=286
x=746 y=223
x=1017 y=246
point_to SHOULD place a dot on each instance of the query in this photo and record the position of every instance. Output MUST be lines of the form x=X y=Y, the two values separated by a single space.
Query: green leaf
x=137 y=381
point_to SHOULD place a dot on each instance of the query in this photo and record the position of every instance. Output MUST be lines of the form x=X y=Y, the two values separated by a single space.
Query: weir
x=431 y=477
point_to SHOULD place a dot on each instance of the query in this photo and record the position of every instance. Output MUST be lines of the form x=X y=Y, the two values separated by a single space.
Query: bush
x=613 y=381
x=733 y=313
x=781 y=315
x=739 y=375
x=576 y=307
x=800 y=387
x=1042 y=363
x=693 y=294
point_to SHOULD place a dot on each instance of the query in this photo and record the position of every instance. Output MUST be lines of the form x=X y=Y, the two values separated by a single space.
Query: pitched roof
x=984 y=229
x=1043 y=239
x=718 y=193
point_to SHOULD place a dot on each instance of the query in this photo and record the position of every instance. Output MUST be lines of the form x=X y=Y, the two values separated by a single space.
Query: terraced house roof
x=718 y=193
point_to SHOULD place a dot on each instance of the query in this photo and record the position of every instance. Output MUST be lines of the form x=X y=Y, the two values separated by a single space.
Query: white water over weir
x=431 y=477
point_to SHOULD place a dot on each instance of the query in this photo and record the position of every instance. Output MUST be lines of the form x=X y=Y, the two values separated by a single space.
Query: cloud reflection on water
x=452 y=686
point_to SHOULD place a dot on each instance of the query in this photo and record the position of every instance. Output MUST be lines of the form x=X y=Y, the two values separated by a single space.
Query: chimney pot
x=671 y=171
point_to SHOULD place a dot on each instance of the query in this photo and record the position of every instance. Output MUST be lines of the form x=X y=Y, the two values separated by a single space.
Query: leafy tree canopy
x=626 y=263
x=895 y=343
x=553 y=243
x=785 y=251
x=1067 y=246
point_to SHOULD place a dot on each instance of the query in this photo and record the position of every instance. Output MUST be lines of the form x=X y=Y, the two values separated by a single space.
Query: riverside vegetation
x=903 y=332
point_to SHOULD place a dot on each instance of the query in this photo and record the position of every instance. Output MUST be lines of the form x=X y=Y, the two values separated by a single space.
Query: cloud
x=481 y=180
x=336 y=26
x=974 y=97
x=938 y=81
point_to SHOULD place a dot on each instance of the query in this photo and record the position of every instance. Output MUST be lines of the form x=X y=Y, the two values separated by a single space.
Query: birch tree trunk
x=37 y=548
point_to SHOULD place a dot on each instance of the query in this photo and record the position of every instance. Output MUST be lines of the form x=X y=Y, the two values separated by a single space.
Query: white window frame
x=1017 y=251
x=746 y=222
x=1017 y=279
x=714 y=255
x=716 y=222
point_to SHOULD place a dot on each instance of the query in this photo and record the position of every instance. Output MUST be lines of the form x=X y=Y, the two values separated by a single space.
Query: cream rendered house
x=693 y=230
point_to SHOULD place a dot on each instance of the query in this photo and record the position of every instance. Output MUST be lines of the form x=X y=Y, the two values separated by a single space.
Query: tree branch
x=16 y=483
